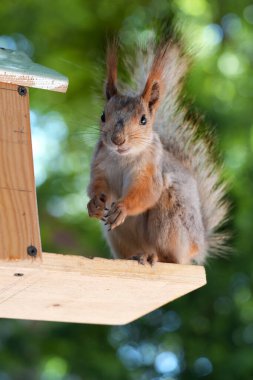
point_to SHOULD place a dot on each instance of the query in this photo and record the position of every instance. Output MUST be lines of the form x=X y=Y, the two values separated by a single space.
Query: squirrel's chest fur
x=121 y=171
x=117 y=173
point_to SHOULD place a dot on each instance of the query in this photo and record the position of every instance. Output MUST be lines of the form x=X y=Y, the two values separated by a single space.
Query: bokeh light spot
x=55 y=369
x=231 y=24
x=48 y=131
x=229 y=64
x=171 y=321
x=130 y=356
x=212 y=35
x=248 y=334
x=203 y=366
x=193 y=8
x=167 y=363
x=223 y=305
x=248 y=14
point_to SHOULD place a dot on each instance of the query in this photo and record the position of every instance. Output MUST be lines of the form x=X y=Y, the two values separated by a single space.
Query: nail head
x=22 y=90
x=32 y=251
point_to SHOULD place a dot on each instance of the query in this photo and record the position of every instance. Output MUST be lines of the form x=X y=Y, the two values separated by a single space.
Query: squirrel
x=153 y=182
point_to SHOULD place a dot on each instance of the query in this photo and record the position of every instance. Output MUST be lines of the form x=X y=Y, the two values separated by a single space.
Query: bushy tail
x=168 y=64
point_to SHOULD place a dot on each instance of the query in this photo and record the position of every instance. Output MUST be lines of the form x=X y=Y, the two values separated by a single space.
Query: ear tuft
x=154 y=96
x=151 y=95
x=110 y=89
x=111 y=64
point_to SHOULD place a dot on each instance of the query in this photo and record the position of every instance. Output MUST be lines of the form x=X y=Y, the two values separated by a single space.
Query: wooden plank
x=17 y=68
x=19 y=225
x=78 y=289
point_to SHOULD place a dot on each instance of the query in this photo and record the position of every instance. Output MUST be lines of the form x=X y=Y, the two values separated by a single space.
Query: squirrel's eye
x=103 y=117
x=143 y=120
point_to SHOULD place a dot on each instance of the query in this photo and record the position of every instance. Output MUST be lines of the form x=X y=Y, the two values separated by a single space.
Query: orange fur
x=194 y=250
x=140 y=195
x=99 y=183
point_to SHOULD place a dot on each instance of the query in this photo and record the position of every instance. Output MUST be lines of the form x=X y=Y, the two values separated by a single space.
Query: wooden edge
x=58 y=84
x=109 y=267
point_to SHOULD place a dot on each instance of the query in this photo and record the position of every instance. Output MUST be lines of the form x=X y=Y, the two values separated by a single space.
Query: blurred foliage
x=208 y=333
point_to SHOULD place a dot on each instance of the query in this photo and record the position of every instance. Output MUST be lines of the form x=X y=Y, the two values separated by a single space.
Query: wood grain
x=19 y=225
x=78 y=289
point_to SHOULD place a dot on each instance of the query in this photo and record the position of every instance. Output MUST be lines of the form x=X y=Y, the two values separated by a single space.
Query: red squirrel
x=153 y=183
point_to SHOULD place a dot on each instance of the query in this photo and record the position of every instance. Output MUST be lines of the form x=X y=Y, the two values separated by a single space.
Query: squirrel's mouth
x=123 y=150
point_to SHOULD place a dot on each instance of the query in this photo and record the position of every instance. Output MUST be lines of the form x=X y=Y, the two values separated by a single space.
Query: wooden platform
x=78 y=289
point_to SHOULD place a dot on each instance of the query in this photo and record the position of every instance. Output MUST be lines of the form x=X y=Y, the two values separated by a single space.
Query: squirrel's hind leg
x=122 y=246
x=175 y=229
x=180 y=249
x=126 y=246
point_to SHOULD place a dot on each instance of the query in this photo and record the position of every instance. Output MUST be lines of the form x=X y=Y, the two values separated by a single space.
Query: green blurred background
x=206 y=334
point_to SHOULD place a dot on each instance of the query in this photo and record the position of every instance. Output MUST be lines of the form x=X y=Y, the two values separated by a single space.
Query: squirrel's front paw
x=97 y=206
x=116 y=215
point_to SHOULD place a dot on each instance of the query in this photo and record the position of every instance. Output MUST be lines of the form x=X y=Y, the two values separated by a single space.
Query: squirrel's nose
x=118 y=139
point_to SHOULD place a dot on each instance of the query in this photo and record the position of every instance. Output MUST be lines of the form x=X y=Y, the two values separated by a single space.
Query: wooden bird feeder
x=54 y=287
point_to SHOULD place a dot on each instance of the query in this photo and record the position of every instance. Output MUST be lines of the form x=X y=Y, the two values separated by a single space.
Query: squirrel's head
x=127 y=121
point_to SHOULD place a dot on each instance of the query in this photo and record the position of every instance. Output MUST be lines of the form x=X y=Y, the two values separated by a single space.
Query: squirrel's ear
x=111 y=64
x=151 y=95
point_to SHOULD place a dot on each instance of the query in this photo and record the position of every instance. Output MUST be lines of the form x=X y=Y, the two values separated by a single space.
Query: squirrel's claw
x=115 y=216
x=144 y=259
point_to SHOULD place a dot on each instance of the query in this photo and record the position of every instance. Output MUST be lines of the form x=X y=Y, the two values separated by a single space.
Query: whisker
x=95 y=133
x=140 y=139
x=88 y=123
